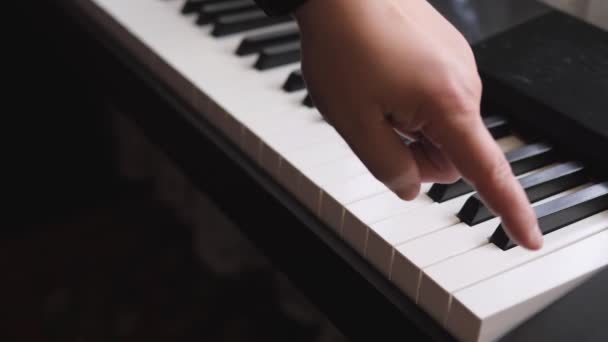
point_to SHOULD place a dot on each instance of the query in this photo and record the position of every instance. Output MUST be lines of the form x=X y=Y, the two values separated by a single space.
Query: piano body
x=220 y=72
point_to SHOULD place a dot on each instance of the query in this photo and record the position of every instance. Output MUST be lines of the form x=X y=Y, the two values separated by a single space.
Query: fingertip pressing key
x=531 y=239
x=409 y=192
x=534 y=238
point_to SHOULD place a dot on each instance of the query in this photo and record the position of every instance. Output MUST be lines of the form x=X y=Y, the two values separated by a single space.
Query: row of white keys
x=212 y=68
x=381 y=237
x=441 y=280
x=486 y=310
x=287 y=152
x=275 y=124
x=208 y=63
x=275 y=150
x=411 y=258
x=324 y=185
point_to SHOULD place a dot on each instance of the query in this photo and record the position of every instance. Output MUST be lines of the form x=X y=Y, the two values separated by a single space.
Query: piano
x=440 y=263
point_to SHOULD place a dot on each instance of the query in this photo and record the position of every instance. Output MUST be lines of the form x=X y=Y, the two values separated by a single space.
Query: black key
x=193 y=6
x=497 y=125
x=208 y=13
x=538 y=186
x=294 y=82
x=308 y=101
x=278 y=55
x=530 y=157
x=255 y=44
x=522 y=160
x=561 y=212
x=234 y=23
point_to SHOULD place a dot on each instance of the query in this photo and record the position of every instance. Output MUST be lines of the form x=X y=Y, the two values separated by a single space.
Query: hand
x=373 y=66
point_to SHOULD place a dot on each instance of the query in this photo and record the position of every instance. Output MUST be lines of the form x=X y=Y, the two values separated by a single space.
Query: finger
x=433 y=164
x=373 y=140
x=471 y=148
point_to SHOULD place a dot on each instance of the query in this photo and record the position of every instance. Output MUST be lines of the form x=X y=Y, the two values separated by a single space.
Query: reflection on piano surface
x=444 y=249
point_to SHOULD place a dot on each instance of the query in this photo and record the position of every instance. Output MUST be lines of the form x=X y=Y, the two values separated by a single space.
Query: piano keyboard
x=443 y=249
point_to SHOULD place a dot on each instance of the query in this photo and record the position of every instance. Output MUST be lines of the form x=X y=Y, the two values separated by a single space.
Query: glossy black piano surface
x=551 y=74
x=544 y=68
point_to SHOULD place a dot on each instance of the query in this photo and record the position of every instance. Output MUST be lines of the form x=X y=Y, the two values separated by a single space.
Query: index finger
x=468 y=144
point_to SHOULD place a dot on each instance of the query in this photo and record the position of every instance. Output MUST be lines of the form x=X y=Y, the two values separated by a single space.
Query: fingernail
x=535 y=238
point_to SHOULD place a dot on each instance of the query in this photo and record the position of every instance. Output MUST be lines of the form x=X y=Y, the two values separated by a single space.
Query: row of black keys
x=277 y=48
x=282 y=47
x=230 y=16
x=552 y=180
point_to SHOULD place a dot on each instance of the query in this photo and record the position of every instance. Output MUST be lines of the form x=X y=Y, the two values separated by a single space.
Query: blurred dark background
x=87 y=254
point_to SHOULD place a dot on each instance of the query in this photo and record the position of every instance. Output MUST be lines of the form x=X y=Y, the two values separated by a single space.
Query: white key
x=441 y=280
x=279 y=123
x=359 y=215
x=487 y=310
x=376 y=208
x=310 y=185
x=274 y=148
x=337 y=195
x=260 y=100
x=301 y=161
x=276 y=128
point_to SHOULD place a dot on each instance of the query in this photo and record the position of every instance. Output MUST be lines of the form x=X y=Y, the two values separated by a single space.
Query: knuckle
x=459 y=97
x=457 y=92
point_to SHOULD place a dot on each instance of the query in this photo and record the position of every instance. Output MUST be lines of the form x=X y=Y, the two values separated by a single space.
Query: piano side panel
x=550 y=76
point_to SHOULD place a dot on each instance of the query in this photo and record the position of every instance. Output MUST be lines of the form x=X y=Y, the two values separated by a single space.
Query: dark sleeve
x=279 y=7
